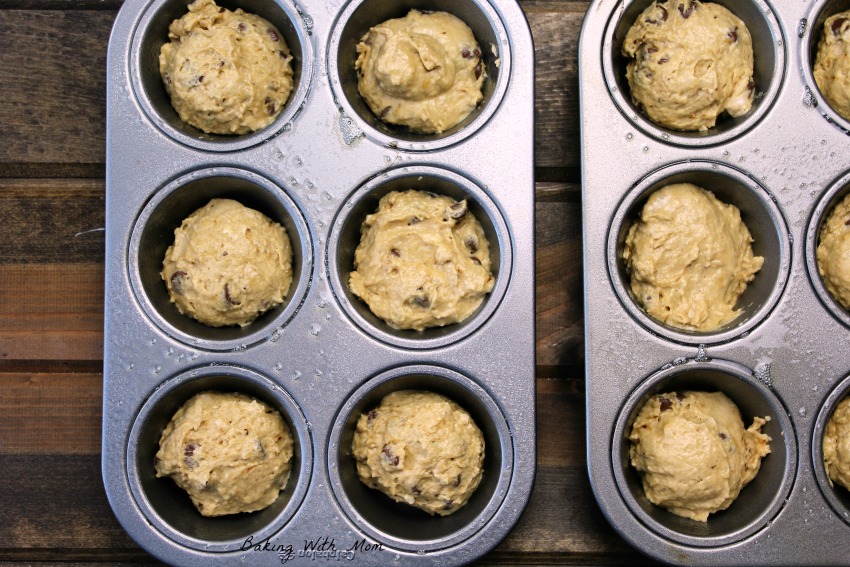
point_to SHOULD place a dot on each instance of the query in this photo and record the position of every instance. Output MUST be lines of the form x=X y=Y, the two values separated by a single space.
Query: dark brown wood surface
x=53 y=508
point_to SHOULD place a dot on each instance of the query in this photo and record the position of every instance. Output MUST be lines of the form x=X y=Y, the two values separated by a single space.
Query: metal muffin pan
x=321 y=358
x=784 y=165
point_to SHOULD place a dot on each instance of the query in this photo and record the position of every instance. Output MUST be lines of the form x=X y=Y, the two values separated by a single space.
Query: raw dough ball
x=832 y=64
x=836 y=444
x=423 y=71
x=833 y=253
x=226 y=72
x=690 y=258
x=423 y=261
x=229 y=451
x=693 y=453
x=692 y=61
x=228 y=264
x=422 y=449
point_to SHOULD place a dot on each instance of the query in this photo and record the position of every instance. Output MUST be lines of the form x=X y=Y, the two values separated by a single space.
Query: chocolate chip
x=395 y=252
x=722 y=435
x=458 y=479
x=372 y=415
x=177 y=279
x=847 y=222
x=663 y=60
x=282 y=53
x=686 y=12
x=385 y=111
x=227 y=295
x=388 y=456
x=663 y=17
x=448 y=505
x=733 y=35
x=168 y=78
x=188 y=455
x=271 y=107
x=466 y=53
x=478 y=69
x=666 y=404
x=421 y=300
x=471 y=244
x=476 y=52
x=651 y=49
x=475 y=260
x=836 y=25
x=680 y=396
x=416 y=490
x=241 y=27
x=414 y=220
x=273 y=35
x=457 y=210
x=751 y=85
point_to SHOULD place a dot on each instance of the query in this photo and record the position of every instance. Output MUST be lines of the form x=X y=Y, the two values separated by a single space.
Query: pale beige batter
x=836 y=444
x=693 y=453
x=832 y=64
x=230 y=452
x=423 y=261
x=690 y=258
x=226 y=72
x=833 y=253
x=422 y=449
x=691 y=62
x=423 y=71
x=228 y=264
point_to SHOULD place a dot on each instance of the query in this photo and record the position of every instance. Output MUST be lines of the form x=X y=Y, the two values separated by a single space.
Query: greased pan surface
x=784 y=165
x=321 y=358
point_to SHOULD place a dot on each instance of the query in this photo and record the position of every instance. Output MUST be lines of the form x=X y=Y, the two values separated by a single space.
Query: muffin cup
x=152 y=32
x=810 y=34
x=759 y=501
x=837 y=495
x=759 y=213
x=167 y=507
x=824 y=207
x=361 y=15
x=399 y=525
x=153 y=233
x=345 y=237
x=768 y=72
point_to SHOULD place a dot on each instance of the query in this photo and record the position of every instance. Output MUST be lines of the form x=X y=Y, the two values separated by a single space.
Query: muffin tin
x=321 y=358
x=784 y=165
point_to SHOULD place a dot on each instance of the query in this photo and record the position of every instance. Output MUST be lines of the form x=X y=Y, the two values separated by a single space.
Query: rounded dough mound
x=423 y=261
x=833 y=253
x=832 y=64
x=228 y=264
x=423 y=71
x=690 y=258
x=693 y=453
x=231 y=453
x=226 y=72
x=691 y=61
x=836 y=444
x=422 y=449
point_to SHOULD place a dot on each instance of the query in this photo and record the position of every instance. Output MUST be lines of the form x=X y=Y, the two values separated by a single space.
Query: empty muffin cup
x=759 y=213
x=768 y=72
x=838 y=496
x=153 y=233
x=811 y=34
x=399 y=525
x=355 y=21
x=759 y=501
x=345 y=237
x=168 y=507
x=152 y=32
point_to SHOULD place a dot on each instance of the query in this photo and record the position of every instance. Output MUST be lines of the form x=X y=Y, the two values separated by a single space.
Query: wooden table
x=53 y=507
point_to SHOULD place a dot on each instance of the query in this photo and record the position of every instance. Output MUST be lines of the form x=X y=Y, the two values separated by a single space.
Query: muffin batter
x=833 y=253
x=693 y=453
x=423 y=261
x=423 y=71
x=226 y=72
x=229 y=451
x=420 y=448
x=832 y=64
x=690 y=258
x=691 y=61
x=836 y=444
x=228 y=264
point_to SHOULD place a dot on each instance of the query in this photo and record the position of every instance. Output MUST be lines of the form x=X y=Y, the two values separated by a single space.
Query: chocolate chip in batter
x=395 y=252
x=663 y=17
x=836 y=25
x=478 y=69
x=273 y=35
x=387 y=454
x=733 y=35
x=666 y=404
x=227 y=295
x=686 y=12
x=471 y=244
x=457 y=210
x=421 y=301
x=177 y=279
